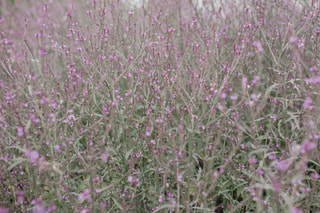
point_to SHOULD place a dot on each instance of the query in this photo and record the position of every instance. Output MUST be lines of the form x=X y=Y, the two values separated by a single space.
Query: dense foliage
x=169 y=106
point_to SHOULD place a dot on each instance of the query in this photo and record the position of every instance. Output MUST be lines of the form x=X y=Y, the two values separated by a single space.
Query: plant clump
x=167 y=106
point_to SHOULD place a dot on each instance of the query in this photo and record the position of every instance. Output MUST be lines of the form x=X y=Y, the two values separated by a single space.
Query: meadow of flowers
x=165 y=107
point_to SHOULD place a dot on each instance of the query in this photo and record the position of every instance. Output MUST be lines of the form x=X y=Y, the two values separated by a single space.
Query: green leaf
x=28 y=125
x=117 y=204
x=269 y=90
x=106 y=188
x=18 y=148
x=18 y=161
x=168 y=206
x=11 y=1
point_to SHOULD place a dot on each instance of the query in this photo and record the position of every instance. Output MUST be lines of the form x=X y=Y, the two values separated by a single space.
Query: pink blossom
x=282 y=165
x=233 y=97
x=138 y=154
x=307 y=104
x=130 y=179
x=293 y=39
x=161 y=199
x=307 y=145
x=33 y=155
x=58 y=148
x=20 y=131
x=253 y=160
x=260 y=171
x=84 y=195
x=39 y=209
x=315 y=175
x=223 y=95
x=296 y=210
x=220 y=107
x=221 y=169
x=42 y=52
x=253 y=96
x=52 y=208
x=4 y=210
x=273 y=117
x=258 y=45
x=104 y=157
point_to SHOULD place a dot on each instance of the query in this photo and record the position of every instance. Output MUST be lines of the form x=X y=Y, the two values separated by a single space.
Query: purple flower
x=138 y=154
x=220 y=107
x=42 y=52
x=104 y=157
x=293 y=39
x=307 y=145
x=221 y=169
x=4 y=210
x=52 y=208
x=20 y=131
x=39 y=209
x=253 y=96
x=223 y=95
x=130 y=179
x=33 y=155
x=161 y=198
x=233 y=97
x=272 y=157
x=282 y=165
x=307 y=104
x=258 y=45
x=253 y=160
x=273 y=117
x=153 y=142
x=260 y=171
x=81 y=197
x=148 y=133
x=58 y=148
x=296 y=210
x=315 y=175
x=84 y=195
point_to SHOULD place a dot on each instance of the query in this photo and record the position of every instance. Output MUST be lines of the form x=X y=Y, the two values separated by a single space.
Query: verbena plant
x=166 y=107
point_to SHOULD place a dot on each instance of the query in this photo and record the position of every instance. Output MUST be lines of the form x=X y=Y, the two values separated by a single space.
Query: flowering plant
x=175 y=106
